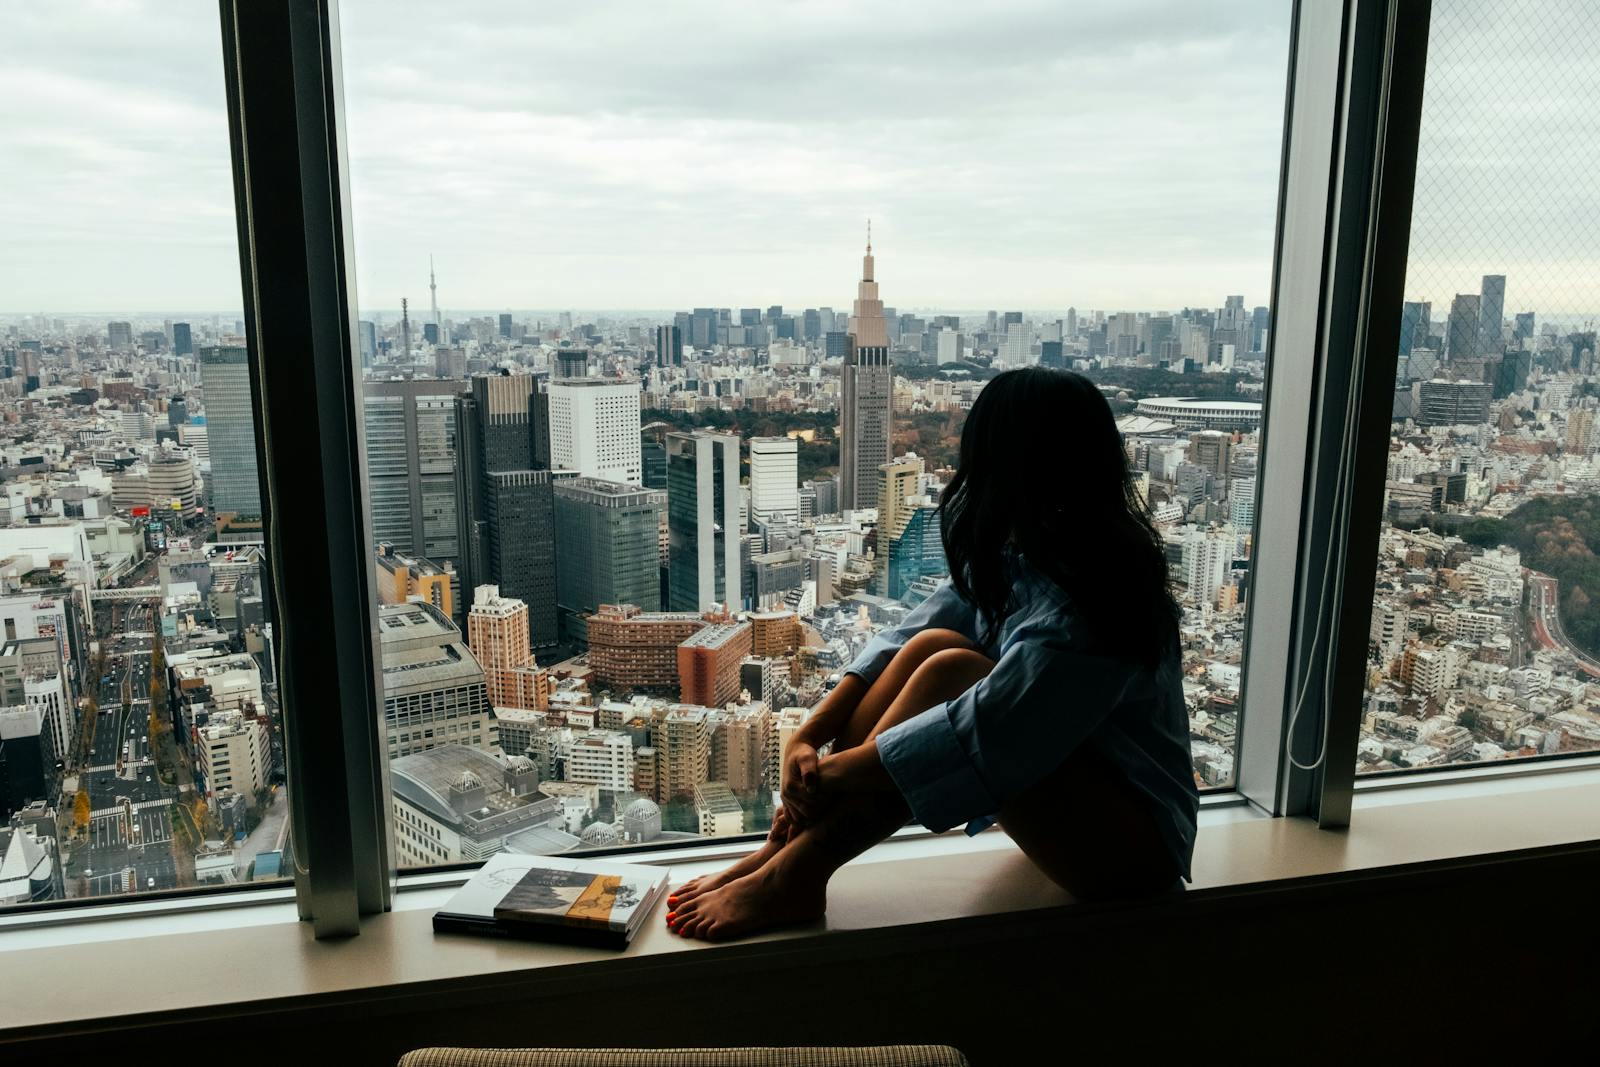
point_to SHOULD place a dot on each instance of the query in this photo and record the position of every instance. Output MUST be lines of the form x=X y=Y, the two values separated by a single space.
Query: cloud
x=658 y=156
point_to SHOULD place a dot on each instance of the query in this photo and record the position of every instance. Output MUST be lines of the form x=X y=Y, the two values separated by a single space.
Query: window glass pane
x=1485 y=632
x=608 y=257
x=140 y=748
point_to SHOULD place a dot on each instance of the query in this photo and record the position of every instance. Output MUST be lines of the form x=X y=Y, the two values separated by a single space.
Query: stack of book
x=551 y=898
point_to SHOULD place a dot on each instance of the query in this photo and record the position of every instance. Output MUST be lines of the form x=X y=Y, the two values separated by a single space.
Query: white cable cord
x=1334 y=567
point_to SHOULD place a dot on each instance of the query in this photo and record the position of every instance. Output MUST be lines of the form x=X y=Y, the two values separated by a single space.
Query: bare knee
x=931 y=642
x=952 y=669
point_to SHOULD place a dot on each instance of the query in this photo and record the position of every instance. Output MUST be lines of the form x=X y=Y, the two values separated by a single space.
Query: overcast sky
x=1115 y=154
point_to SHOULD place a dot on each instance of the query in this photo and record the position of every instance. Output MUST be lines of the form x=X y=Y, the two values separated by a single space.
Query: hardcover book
x=552 y=898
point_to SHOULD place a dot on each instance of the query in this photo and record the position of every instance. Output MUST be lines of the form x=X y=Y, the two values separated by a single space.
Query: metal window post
x=1344 y=223
x=281 y=63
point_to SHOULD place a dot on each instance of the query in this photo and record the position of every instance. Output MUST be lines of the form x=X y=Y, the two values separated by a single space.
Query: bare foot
x=694 y=887
x=777 y=895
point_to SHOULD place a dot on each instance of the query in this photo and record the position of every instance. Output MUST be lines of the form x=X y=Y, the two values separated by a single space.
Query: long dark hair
x=1043 y=469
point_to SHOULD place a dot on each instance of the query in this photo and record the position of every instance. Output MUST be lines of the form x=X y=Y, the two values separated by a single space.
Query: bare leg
x=777 y=837
x=864 y=718
x=792 y=886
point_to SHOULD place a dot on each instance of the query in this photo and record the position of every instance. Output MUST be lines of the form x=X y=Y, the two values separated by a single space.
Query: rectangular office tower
x=505 y=500
x=669 y=346
x=608 y=542
x=774 y=481
x=594 y=428
x=230 y=430
x=1491 y=313
x=411 y=465
x=703 y=565
x=865 y=396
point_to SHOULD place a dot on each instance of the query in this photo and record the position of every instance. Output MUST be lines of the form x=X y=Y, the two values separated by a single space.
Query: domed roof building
x=641 y=821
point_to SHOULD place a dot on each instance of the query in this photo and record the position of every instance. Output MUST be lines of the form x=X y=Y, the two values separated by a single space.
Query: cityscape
x=619 y=557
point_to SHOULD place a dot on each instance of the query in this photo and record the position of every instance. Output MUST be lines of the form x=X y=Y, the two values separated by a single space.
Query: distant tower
x=433 y=296
x=405 y=330
x=866 y=394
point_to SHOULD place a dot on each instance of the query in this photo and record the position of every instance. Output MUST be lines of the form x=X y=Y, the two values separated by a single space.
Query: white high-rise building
x=1242 y=503
x=949 y=346
x=1207 y=555
x=594 y=428
x=603 y=758
x=234 y=755
x=1014 y=349
x=775 y=480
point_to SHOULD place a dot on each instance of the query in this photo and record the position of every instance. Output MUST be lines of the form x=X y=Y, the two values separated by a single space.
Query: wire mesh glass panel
x=1485 y=630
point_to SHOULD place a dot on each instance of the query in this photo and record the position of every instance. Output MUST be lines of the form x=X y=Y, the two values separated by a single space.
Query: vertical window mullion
x=1349 y=160
x=282 y=82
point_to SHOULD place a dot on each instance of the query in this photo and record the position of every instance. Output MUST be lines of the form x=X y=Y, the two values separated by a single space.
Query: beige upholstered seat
x=879 y=1056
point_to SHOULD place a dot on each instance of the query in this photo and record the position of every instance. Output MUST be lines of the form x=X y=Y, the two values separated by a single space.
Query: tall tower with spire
x=866 y=394
x=433 y=296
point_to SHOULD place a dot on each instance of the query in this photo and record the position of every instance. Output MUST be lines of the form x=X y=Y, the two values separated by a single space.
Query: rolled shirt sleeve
x=945 y=609
x=965 y=758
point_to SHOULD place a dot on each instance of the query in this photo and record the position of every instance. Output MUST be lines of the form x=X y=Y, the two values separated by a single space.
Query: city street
x=122 y=769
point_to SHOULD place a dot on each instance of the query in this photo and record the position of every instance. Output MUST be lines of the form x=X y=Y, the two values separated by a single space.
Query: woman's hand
x=800 y=784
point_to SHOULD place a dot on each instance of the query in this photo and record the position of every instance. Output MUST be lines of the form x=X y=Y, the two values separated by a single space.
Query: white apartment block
x=234 y=679
x=48 y=693
x=775 y=480
x=603 y=758
x=233 y=754
x=594 y=428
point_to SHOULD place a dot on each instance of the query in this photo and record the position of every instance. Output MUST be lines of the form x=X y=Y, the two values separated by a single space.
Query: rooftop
x=715 y=635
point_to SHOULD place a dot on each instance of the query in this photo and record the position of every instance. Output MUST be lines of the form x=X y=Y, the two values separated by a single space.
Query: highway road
x=1545 y=600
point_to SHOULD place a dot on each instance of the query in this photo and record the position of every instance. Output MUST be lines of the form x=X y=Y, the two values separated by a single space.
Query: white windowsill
x=954 y=877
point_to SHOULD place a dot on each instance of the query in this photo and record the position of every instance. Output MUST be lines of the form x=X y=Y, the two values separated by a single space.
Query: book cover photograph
x=574 y=897
x=545 y=897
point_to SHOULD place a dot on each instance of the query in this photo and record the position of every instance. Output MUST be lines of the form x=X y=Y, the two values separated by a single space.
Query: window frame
x=1355 y=104
x=1343 y=108
x=1351 y=121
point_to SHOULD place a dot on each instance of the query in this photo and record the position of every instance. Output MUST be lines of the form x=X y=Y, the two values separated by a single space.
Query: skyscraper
x=1415 y=322
x=774 y=481
x=897 y=483
x=704 y=563
x=594 y=428
x=608 y=542
x=497 y=633
x=119 y=334
x=504 y=498
x=1463 y=336
x=866 y=395
x=411 y=465
x=1492 y=315
x=182 y=339
x=669 y=346
x=230 y=430
x=917 y=552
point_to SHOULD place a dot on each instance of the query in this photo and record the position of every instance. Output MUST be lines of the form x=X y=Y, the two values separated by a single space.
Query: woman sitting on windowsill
x=1039 y=686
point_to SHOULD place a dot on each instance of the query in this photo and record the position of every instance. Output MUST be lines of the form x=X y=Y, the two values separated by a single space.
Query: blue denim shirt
x=961 y=760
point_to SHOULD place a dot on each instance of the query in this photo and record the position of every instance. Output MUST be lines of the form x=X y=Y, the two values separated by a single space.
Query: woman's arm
x=830 y=716
x=856 y=770
x=964 y=758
